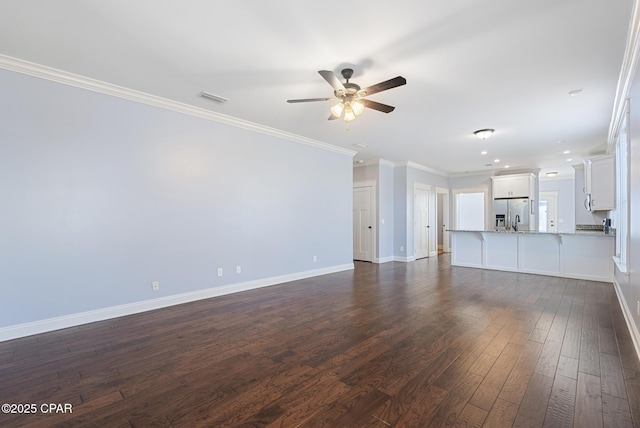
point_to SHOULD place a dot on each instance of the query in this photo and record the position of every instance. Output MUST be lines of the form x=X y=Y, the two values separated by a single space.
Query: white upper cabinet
x=513 y=186
x=602 y=183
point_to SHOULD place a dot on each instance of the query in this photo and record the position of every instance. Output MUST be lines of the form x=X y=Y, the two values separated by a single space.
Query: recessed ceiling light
x=360 y=145
x=566 y=152
x=483 y=134
x=507 y=166
x=214 y=97
x=575 y=92
x=552 y=174
x=496 y=160
x=359 y=161
x=569 y=160
x=484 y=152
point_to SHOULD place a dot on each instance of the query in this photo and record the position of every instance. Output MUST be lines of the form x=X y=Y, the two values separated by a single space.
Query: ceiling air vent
x=214 y=97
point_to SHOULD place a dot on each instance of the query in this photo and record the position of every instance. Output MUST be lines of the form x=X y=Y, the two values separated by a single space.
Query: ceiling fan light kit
x=350 y=97
x=483 y=134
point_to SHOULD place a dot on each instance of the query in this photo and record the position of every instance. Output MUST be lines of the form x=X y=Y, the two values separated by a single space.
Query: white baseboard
x=628 y=317
x=57 y=323
x=404 y=259
x=383 y=260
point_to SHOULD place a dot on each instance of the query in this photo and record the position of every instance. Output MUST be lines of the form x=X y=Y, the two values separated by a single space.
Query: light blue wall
x=566 y=201
x=400 y=214
x=630 y=282
x=101 y=196
x=385 y=196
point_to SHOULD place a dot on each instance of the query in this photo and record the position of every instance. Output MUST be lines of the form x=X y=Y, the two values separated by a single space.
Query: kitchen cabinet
x=513 y=186
x=600 y=174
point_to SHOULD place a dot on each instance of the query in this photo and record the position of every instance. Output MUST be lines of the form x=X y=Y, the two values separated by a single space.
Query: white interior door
x=421 y=223
x=548 y=212
x=363 y=223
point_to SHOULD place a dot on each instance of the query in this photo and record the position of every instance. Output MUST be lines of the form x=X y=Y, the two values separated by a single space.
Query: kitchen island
x=579 y=255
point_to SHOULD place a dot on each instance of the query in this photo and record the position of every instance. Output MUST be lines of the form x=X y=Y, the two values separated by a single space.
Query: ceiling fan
x=350 y=96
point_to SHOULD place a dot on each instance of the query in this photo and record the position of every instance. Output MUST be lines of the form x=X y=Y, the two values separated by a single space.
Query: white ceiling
x=469 y=64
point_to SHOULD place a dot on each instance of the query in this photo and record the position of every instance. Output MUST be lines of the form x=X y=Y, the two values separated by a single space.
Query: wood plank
x=502 y=414
x=588 y=409
x=616 y=412
x=562 y=403
x=534 y=403
x=632 y=379
x=492 y=384
x=612 y=376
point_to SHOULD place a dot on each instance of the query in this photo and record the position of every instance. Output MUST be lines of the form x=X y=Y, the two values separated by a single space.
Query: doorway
x=421 y=226
x=548 y=212
x=442 y=213
x=363 y=222
x=470 y=209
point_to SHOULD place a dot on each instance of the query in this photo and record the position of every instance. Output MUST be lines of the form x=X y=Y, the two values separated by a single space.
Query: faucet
x=515 y=223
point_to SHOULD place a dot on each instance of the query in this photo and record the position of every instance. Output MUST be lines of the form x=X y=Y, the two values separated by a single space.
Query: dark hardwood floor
x=418 y=344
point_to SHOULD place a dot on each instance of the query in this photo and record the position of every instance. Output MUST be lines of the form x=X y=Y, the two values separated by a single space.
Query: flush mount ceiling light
x=483 y=134
x=552 y=174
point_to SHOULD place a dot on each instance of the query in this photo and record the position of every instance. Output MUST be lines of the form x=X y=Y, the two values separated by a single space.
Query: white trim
x=404 y=259
x=628 y=317
x=367 y=183
x=414 y=165
x=479 y=189
x=622 y=267
x=66 y=321
x=383 y=260
x=64 y=77
x=627 y=72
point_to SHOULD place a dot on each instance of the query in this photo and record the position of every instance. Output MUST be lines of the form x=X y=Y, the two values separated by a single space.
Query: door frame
x=446 y=241
x=487 y=212
x=550 y=194
x=425 y=188
x=372 y=185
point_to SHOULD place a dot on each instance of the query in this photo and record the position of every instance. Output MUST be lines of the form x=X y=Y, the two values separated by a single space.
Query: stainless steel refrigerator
x=512 y=214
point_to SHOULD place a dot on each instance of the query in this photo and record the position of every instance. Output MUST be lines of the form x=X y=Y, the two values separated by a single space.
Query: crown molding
x=415 y=165
x=370 y=162
x=400 y=165
x=627 y=72
x=83 y=82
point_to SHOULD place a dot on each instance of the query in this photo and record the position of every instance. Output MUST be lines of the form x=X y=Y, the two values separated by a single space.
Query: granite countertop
x=535 y=232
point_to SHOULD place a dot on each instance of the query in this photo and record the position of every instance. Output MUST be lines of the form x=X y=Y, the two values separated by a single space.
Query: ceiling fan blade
x=306 y=100
x=383 y=86
x=377 y=106
x=332 y=117
x=333 y=80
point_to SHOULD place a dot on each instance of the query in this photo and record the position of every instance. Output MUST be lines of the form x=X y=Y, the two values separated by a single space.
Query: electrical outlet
x=155 y=286
x=238 y=269
x=219 y=271
x=315 y=259
x=401 y=248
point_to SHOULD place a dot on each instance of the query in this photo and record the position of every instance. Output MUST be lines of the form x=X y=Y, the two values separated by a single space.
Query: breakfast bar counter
x=579 y=255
